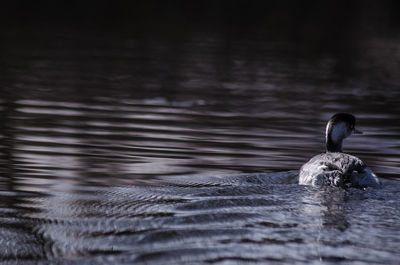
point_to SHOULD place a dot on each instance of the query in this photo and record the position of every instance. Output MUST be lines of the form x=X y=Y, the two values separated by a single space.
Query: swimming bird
x=335 y=168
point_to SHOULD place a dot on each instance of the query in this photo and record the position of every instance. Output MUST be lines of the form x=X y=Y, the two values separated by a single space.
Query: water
x=122 y=149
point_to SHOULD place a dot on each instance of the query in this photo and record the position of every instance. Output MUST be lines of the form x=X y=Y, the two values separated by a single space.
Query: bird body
x=337 y=169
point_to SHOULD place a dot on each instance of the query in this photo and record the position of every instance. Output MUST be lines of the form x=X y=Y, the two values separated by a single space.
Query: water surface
x=121 y=149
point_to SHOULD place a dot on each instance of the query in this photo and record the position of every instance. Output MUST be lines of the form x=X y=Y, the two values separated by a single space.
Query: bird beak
x=355 y=131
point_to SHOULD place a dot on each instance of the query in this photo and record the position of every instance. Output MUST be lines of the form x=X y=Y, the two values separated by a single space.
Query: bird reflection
x=328 y=206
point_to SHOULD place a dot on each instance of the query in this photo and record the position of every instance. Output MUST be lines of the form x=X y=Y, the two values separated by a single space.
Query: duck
x=335 y=168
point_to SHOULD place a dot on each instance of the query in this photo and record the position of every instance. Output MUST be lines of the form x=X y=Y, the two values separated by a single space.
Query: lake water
x=131 y=149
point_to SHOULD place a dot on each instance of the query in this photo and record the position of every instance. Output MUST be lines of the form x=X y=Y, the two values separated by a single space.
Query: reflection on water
x=106 y=145
x=194 y=111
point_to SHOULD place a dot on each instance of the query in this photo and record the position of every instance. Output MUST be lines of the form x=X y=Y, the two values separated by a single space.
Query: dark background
x=278 y=19
x=340 y=28
x=317 y=27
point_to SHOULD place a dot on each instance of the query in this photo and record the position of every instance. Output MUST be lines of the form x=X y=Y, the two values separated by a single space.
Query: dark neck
x=332 y=146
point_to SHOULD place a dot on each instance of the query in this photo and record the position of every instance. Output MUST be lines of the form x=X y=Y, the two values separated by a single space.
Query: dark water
x=122 y=149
